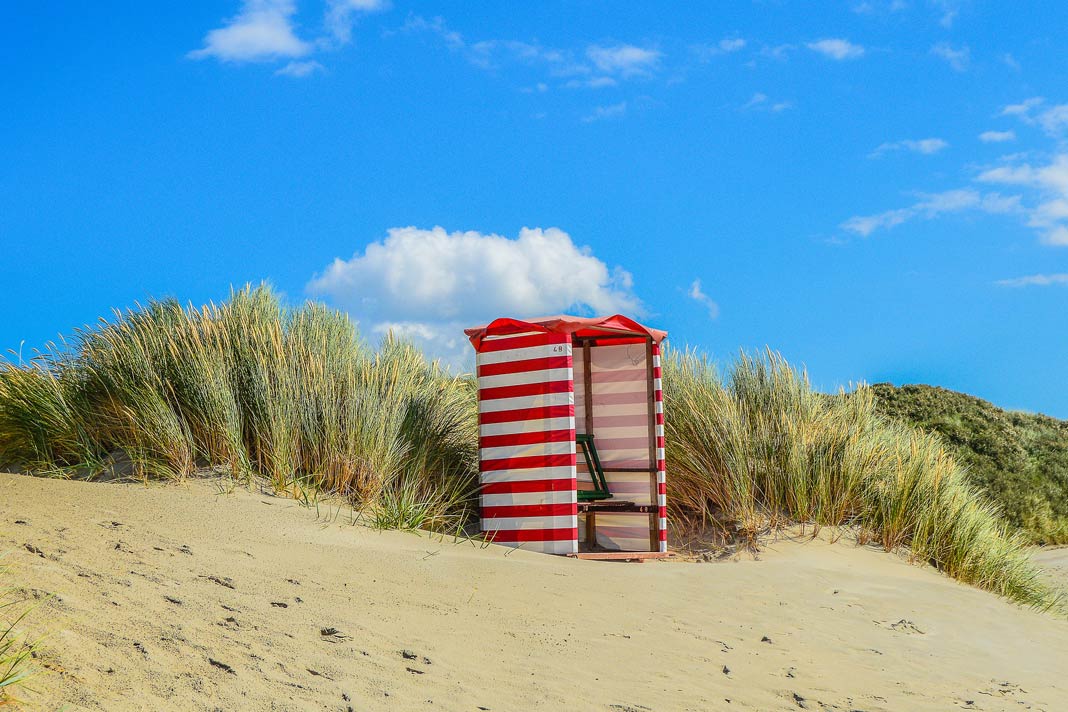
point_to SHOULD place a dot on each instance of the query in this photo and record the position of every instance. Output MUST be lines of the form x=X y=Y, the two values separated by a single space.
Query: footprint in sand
x=902 y=626
x=333 y=635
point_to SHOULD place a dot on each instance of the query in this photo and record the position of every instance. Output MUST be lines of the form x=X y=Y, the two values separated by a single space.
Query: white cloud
x=926 y=146
x=1054 y=120
x=997 y=136
x=950 y=9
x=429 y=284
x=1050 y=182
x=933 y=205
x=958 y=59
x=612 y=111
x=761 y=102
x=1035 y=280
x=731 y=44
x=697 y=294
x=837 y=49
x=1023 y=108
x=591 y=83
x=263 y=30
x=624 y=59
x=299 y=69
x=341 y=15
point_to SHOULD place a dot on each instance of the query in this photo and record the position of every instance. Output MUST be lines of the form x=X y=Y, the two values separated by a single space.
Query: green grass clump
x=1019 y=460
x=759 y=449
x=289 y=395
x=16 y=651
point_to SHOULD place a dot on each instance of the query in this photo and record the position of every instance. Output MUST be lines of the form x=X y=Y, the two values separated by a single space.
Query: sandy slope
x=153 y=584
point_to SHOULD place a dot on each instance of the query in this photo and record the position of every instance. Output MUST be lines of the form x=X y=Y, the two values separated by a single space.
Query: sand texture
x=189 y=597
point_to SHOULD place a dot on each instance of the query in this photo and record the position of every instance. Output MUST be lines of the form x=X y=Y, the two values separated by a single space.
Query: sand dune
x=192 y=598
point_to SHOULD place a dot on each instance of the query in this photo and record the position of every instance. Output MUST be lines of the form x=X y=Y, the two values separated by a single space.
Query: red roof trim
x=564 y=324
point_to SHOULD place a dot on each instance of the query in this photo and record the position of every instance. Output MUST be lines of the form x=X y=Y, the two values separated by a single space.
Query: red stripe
x=660 y=396
x=659 y=418
x=517 y=535
x=656 y=372
x=663 y=535
x=530 y=510
x=535 y=438
x=662 y=512
x=524 y=463
x=541 y=413
x=531 y=364
x=525 y=389
x=563 y=484
x=661 y=488
x=522 y=342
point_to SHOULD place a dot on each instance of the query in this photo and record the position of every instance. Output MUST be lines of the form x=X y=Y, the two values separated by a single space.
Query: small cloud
x=341 y=15
x=1054 y=120
x=836 y=49
x=695 y=293
x=731 y=44
x=761 y=102
x=997 y=136
x=1023 y=108
x=624 y=59
x=950 y=9
x=613 y=111
x=299 y=69
x=932 y=205
x=779 y=52
x=263 y=30
x=958 y=59
x=925 y=146
x=1011 y=61
x=1035 y=280
x=591 y=83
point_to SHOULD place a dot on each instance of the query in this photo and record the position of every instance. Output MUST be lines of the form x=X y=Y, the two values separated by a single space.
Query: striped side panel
x=526 y=416
x=661 y=464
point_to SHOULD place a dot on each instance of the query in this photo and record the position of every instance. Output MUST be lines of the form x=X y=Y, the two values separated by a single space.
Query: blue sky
x=878 y=189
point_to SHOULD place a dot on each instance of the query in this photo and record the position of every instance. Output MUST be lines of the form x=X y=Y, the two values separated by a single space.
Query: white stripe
x=545 y=375
x=558 y=472
x=521 y=498
x=663 y=522
x=660 y=477
x=660 y=431
x=661 y=500
x=660 y=407
x=656 y=360
x=526 y=426
x=520 y=402
x=511 y=524
x=657 y=384
x=522 y=354
x=567 y=546
x=663 y=547
x=659 y=454
x=566 y=447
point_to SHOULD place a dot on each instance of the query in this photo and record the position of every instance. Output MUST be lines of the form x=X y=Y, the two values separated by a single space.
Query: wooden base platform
x=638 y=556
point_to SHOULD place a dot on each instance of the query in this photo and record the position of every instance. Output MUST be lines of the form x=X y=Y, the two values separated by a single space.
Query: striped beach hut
x=571 y=436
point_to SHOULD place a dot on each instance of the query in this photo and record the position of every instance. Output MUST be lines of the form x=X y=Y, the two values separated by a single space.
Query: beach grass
x=757 y=448
x=292 y=397
x=16 y=651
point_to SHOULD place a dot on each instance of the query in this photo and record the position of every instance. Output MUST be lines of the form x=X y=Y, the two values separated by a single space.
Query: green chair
x=593 y=464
